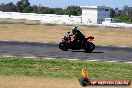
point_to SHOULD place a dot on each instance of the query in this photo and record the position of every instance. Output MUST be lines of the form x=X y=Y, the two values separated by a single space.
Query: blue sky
x=65 y=3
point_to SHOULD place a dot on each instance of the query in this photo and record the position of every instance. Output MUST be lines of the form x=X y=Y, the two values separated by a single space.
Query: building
x=94 y=14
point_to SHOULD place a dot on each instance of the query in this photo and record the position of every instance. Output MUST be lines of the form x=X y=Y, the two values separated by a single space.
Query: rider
x=79 y=37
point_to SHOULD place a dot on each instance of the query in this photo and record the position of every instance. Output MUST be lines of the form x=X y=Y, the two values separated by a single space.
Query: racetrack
x=42 y=50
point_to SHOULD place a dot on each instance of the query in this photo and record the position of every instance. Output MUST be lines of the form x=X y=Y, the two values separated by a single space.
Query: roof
x=93 y=7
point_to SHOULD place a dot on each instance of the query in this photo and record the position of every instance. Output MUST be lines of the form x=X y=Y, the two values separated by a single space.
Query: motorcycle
x=69 y=43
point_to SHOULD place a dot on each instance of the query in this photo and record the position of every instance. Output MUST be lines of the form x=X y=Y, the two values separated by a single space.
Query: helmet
x=74 y=28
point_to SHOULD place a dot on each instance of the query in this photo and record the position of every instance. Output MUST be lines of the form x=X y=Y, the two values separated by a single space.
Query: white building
x=94 y=14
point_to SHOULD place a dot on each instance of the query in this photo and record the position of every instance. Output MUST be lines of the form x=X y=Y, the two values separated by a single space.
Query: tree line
x=124 y=15
x=23 y=6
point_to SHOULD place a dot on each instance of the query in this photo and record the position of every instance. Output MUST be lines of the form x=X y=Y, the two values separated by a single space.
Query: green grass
x=18 y=21
x=6 y=22
x=63 y=68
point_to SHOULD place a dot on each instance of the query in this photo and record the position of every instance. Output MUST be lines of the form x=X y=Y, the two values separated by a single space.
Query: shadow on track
x=97 y=52
x=77 y=51
x=86 y=52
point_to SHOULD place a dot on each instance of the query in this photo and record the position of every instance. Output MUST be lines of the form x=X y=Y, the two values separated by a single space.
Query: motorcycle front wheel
x=63 y=46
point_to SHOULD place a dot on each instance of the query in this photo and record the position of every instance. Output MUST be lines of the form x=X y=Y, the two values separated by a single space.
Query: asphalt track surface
x=42 y=50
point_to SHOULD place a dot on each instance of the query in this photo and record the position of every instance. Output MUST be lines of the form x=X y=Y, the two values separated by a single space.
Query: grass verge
x=63 y=68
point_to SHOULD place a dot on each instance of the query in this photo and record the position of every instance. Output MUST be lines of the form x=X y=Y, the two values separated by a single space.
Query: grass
x=63 y=69
x=17 y=21
x=53 y=33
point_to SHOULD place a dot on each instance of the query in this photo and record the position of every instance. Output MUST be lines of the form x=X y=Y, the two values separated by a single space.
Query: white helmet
x=74 y=28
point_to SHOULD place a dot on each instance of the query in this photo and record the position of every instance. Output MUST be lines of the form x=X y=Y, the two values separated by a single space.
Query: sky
x=65 y=3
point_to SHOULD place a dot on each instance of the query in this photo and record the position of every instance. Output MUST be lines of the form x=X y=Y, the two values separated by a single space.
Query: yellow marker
x=84 y=74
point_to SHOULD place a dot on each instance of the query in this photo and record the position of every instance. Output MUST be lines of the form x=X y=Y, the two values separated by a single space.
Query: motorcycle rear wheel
x=89 y=47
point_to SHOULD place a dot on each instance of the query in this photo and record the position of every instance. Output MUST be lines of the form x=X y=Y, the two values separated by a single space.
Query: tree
x=28 y=9
x=125 y=10
x=45 y=10
x=2 y=7
x=35 y=9
x=22 y=4
x=25 y=3
x=130 y=20
x=19 y=6
x=112 y=13
x=124 y=15
x=73 y=10
x=10 y=7
x=122 y=19
x=58 y=11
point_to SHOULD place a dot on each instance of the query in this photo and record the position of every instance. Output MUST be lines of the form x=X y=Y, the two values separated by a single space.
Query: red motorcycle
x=69 y=43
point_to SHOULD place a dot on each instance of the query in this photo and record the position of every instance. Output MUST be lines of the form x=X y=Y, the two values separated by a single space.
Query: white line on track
x=73 y=59
x=103 y=45
x=6 y=40
x=112 y=61
x=92 y=60
x=7 y=56
x=129 y=62
x=29 y=57
x=116 y=46
x=122 y=46
x=46 y=42
x=50 y=58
